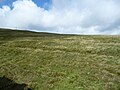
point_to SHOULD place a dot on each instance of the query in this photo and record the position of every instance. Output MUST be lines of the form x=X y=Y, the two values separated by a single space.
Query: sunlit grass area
x=47 y=61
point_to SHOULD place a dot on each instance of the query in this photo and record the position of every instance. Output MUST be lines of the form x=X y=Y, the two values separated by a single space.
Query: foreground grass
x=60 y=62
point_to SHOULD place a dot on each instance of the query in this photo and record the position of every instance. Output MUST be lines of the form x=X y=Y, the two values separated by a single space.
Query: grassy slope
x=60 y=62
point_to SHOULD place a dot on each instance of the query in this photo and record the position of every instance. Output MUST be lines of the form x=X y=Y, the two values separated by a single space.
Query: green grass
x=60 y=62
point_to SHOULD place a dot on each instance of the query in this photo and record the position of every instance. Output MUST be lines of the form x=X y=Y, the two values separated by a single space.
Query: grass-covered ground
x=60 y=62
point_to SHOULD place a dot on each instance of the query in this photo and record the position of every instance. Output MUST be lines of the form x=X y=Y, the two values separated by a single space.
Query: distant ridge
x=21 y=33
x=13 y=32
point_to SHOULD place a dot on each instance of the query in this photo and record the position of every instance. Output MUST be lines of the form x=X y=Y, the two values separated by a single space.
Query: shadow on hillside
x=8 y=84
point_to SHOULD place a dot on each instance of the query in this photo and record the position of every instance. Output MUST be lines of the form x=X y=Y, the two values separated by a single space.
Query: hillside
x=47 y=61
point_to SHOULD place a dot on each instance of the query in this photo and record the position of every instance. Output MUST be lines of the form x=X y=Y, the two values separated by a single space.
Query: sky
x=94 y=17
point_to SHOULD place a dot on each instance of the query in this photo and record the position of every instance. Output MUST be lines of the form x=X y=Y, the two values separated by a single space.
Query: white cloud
x=65 y=16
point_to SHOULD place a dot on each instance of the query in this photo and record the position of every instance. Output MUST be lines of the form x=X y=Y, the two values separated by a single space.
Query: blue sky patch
x=41 y=3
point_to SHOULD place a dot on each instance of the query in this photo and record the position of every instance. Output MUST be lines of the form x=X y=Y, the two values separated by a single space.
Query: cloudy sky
x=62 y=16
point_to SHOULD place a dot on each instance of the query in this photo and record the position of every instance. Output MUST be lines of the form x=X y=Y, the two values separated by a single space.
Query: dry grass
x=60 y=62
